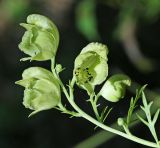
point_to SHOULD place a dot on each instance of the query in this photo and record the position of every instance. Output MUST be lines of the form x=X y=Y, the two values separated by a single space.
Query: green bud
x=42 y=91
x=114 y=88
x=120 y=121
x=59 y=68
x=41 y=39
x=90 y=68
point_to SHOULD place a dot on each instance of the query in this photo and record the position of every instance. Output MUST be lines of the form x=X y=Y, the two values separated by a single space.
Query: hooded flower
x=90 y=67
x=41 y=39
x=114 y=88
x=42 y=91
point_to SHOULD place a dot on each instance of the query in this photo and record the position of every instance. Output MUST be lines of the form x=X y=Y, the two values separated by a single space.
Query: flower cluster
x=42 y=87
x=40 y=42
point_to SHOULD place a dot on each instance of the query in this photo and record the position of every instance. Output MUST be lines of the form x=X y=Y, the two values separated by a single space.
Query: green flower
x=114 y=88
x=90 y=68
x=42 y=91
x=41 y=39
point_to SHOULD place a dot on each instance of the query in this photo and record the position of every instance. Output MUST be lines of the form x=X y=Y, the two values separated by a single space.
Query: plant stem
x=64 y=110
x=52 y=65
x=127 y=130
x=94 y=106
x=89 y=118
x=70 y=98
x=103 y=136
x=150 y=124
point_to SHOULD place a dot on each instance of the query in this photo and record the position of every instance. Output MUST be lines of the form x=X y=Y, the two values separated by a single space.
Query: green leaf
x=133 y=103
x=105 y=113
x=142 y=120
x=156 y=115
x=149 y=123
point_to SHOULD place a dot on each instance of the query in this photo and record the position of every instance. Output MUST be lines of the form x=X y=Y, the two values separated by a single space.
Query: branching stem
x=70 y=98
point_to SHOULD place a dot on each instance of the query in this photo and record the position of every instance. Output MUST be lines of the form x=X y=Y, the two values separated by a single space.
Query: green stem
x=53 y=65
x=97 y=97
x=102 y=136
x=70 y=98
x=127 y=130
x=64 y=110
x=94 y=106
x=89 y=118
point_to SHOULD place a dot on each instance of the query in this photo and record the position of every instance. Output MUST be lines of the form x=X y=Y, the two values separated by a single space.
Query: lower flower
x=42 y=91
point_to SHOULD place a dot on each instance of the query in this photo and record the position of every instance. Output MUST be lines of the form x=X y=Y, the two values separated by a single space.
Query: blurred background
x=130 y=29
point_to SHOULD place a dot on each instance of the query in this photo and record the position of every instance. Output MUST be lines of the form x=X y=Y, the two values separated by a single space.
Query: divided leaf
x=133 y=103
x=149 y=123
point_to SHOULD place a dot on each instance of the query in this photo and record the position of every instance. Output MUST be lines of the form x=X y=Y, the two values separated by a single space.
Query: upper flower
x=41 y=39
x=42 y=90
x=90 y=68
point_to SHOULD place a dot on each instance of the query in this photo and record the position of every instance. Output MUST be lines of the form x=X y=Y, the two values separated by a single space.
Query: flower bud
x=114 y=88
x=41 y=39
x=59 y=68
x=90 y=68
x=120 y=121
x=42 y=91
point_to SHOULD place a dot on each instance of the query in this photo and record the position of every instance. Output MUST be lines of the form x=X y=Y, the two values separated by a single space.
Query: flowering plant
x=43 y=88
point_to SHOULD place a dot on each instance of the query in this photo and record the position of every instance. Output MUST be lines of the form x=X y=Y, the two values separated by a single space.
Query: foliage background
x=79 y=23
